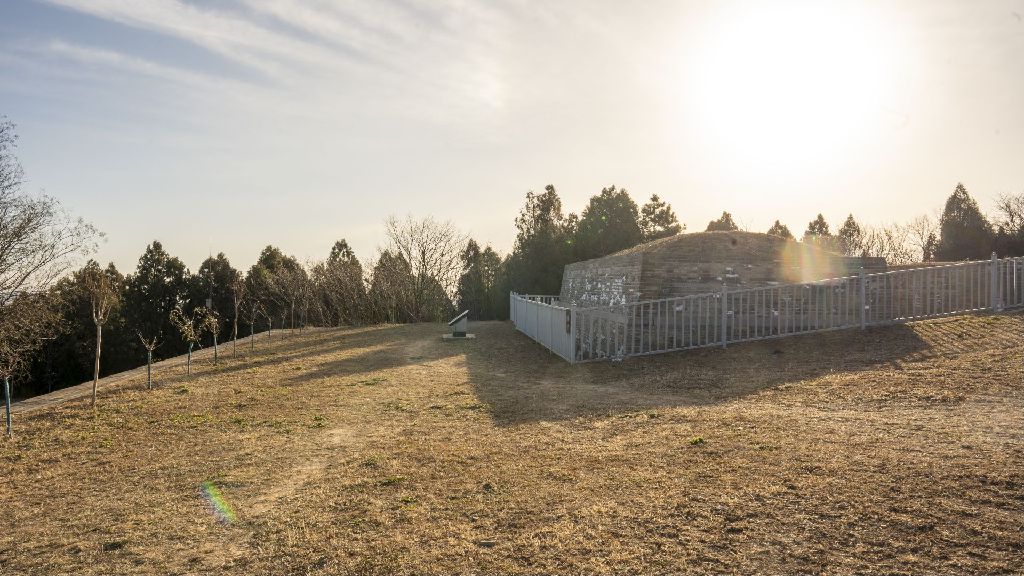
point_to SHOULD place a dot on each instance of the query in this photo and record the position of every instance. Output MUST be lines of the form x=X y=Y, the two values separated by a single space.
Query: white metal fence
x=718 y=319
x=540 y=318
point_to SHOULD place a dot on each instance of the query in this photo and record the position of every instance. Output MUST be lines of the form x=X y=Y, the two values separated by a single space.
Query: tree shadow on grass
x=311 y=347
x=524 y=383
x=387 y=348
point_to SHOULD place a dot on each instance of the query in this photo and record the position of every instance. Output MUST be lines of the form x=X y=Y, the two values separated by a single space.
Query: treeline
x=547 y=239
x=960 y=232
x=427 y=272
x=163 y=307
x=55 y=320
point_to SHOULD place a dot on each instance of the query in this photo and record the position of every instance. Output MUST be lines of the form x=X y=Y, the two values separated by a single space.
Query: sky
x=227 y=125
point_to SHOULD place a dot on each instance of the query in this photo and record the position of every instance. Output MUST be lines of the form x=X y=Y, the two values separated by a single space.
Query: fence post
x=725 y=313
x=572 y=334
x=994 y=282
x=863 y=301
x=7 y=401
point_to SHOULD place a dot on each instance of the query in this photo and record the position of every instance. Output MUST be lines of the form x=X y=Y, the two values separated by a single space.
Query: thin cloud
x=228 y=35
x=431 y=57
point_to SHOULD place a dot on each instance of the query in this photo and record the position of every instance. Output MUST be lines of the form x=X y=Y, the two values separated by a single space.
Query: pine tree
x=781 y=230
x=818 y=234
x=543 y=246
x=723 y=224
x=965 y=233
x=657 y=220
x=609 y=223
x=159 y=285
x=850 y=237
x=480 y=282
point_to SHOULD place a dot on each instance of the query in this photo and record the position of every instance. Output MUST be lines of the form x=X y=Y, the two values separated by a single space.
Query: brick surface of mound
x=700 y=263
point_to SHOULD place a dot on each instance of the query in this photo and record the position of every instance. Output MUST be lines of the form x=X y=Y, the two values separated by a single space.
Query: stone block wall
x=602 y=282
x=702 y=263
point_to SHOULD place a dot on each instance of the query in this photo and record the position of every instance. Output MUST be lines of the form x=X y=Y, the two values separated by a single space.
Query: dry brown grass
x=385 y=450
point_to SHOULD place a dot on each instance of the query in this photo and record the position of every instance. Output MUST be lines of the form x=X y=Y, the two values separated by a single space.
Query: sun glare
x=782 y=86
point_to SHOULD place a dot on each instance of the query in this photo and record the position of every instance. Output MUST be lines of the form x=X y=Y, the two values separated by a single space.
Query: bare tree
x=38 y=239
x=889 y=242
x=1010 y=213
x=433 y=251
x=149 y=345
x=922 y=233
x=255 y=310
x=26 y=321
x=270 y=322
x=191 y=328
x=39 y=243
x=210 y=322
x=237 y=297
x=293 y=284
x=103 y=297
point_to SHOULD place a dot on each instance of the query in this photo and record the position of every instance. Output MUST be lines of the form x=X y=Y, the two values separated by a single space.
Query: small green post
x=149 y=369
x=7 y=402
x=188 y=365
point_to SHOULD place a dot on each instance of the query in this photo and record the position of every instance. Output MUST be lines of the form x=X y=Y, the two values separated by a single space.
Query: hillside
x=386 y=450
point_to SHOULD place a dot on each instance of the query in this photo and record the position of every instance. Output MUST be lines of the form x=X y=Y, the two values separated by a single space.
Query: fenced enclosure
x=739 y=315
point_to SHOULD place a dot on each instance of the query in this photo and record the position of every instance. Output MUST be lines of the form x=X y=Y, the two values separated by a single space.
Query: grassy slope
x=382 y=450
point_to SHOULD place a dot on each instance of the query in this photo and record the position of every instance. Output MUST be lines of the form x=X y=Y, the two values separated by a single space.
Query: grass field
x=899 y=450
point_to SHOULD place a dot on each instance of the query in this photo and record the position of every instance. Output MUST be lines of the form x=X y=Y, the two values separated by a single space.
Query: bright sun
x=787 y=86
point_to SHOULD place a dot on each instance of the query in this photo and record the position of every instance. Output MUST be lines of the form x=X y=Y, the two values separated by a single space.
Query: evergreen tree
x=818 y=233
x=480 y=290
x=341 y=252
x=390 y=292
x=781 y=230
x=213 y=281
x=609 y=223
x=965 y=234
x=341 y=292
x=817 y=228
x=543 y=244
x=850 y=238
x=159 y=285
x=657 y=220
x=930 y=247
x=723 y=224
x=277 y=282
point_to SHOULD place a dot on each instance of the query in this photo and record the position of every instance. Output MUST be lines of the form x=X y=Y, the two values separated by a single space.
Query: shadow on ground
x=522 y=382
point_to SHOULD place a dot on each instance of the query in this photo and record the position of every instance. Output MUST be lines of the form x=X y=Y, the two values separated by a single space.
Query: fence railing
x=739 y=315
x=541 y=319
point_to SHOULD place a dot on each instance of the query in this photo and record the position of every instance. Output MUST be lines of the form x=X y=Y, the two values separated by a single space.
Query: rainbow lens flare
x=218 y=505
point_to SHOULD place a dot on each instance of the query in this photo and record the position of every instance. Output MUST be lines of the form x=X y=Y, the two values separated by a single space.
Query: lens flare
x=218 y=505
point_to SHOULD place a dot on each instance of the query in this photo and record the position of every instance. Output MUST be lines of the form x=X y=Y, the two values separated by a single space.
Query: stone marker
x=459 y=325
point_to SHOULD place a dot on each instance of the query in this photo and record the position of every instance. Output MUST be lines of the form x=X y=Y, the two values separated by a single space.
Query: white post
x=725 y=314
x=572 y=334
x=994 y=282
x=863 y=301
